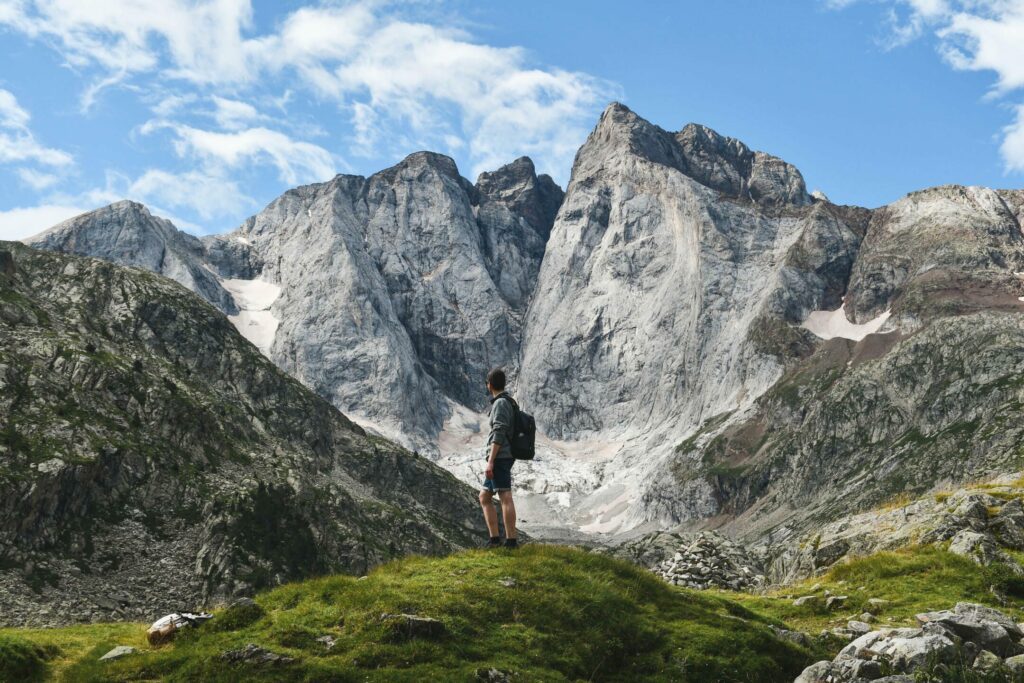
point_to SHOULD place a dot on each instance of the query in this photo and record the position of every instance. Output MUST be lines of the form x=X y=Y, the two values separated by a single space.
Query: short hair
x=496 y=378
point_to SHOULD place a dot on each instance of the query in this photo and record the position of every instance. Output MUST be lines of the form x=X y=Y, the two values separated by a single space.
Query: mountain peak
x=440 y=162
x=717 y=161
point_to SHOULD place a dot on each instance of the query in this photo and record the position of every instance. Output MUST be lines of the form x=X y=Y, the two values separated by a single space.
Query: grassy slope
x=571 y=616
x=912 y=580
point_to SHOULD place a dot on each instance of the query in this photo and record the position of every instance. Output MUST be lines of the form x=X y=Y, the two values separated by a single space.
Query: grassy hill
x=544 y=613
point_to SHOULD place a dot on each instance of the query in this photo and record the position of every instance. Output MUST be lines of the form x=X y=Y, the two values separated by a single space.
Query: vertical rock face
x=400 y=290
x=390 y=295
x=126 y=232
x=933 y=241
x=669 y=251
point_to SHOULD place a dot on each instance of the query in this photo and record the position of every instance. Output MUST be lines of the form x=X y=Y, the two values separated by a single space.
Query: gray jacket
x=502 y=415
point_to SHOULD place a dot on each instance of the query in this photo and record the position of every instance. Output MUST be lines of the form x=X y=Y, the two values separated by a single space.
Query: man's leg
x=508 y=513
x=490 y=514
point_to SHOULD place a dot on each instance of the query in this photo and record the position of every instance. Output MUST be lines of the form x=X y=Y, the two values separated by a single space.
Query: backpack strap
x=515 y=415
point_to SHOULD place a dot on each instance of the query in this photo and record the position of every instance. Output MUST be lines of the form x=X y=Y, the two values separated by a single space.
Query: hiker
x=499 y=464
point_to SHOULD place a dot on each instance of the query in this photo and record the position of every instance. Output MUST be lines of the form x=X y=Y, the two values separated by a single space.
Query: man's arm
x=501 y=426
x=495 y=447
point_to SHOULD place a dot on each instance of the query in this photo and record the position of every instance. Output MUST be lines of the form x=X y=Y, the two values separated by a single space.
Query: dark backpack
x=524 y=433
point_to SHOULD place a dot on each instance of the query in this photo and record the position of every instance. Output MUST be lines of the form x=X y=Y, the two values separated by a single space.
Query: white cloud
x=402 y=82
x=974 y=35
x=992 y=40
x=1013 y=143
x=296 y=161
x=20 y=223
x=17 y=143
x=171 y=104
x=12 y=115
x=232 y=114
x=37 y=180
x=209 y=196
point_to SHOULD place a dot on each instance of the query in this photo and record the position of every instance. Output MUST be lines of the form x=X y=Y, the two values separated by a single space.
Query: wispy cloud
x=296 y=161
x=17 y=143
x=973 y=35
x=398 y=79
x=22 y=222
x=37 y=180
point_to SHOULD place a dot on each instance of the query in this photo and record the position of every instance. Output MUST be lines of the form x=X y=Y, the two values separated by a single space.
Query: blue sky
x=206 y=110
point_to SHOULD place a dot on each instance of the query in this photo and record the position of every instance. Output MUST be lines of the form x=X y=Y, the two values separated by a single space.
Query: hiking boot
x=494 y=542
x=511 y=543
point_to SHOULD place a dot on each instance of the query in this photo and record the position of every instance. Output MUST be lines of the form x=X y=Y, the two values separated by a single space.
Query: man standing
x=499 y=463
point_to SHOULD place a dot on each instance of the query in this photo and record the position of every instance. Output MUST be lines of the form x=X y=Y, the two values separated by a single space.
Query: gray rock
x=1015 y=664
x=804 y=600
x=798 y=637
x=987 y=628
x=255 y=655
x=987 y=662
x=118 y=652
x=835 y=601
x=859 y=627
x=910 y=649
x=818 y=672
x=979 y=547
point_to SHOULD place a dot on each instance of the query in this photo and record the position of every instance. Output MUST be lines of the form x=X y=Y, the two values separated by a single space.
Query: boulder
x=255 y=655
x=988 y=628
x=118 y=652
x=981 y=548
x=906 y=649
x=819 y=672
x=835 y=601
x=1015 y=664
x=987 y=662
x=798 y=637
x=859 y=627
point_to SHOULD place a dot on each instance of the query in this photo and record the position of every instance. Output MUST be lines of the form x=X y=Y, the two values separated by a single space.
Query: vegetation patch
x=542 y=613
x=909 y=581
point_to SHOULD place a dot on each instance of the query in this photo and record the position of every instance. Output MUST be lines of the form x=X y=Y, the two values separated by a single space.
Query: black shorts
x=502 y=480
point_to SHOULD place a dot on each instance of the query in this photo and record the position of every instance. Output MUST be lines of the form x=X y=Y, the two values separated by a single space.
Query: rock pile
x=710 y=560
x=968 y=636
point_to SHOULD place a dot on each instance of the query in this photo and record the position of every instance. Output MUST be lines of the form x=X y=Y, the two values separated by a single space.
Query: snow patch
x=254 y=320
x=831 y=324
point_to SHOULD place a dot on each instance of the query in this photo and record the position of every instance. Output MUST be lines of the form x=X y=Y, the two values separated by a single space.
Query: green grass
x=912 y=580
x=570 y=616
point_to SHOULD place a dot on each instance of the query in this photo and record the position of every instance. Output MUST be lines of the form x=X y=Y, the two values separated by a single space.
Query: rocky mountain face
x=669 y=251
x=701 y=340
x=930 y=400
x=151 y=459
x=400 y=291
x=127 y=233
x=391 y=295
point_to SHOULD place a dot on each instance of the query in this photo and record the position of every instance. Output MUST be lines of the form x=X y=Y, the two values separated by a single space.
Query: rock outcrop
x=153 y=459
x=126 y=232
x=967 y=640
x=982 y=523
